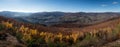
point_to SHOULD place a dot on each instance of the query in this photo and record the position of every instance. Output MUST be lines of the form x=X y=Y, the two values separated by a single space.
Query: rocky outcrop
x=7 y=40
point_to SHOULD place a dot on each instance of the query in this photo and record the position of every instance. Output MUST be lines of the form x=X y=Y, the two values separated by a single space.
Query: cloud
x=103 y=5
x=114 y=2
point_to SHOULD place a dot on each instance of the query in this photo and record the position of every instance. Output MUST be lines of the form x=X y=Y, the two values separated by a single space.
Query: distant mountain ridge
x=56 y=18
x=13 y=14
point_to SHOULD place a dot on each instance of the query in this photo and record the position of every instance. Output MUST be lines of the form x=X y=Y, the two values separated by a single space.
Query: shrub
x=1 y=27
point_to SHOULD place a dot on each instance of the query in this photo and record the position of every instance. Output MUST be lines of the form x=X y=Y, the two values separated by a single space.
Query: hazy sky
x=60 y=5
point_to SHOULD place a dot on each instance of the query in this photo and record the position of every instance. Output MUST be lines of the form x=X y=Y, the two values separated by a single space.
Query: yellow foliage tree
x=33 y=32
x=60 y=36
x=8 y=24
x=74 y=36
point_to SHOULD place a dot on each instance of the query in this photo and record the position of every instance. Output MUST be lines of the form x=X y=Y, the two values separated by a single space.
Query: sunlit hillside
x=28 y=35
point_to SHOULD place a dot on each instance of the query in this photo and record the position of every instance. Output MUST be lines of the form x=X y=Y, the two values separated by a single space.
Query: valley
x=64 y=33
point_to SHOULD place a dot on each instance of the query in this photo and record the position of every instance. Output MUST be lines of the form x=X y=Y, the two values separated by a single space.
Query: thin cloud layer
x=115 y=3
x=103 y=5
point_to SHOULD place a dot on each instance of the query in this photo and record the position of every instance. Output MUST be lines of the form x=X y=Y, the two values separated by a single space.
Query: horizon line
x=63 y=11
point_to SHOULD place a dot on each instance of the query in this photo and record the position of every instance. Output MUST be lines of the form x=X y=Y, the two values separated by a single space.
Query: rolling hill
x=54 y=18
x=97 y=30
